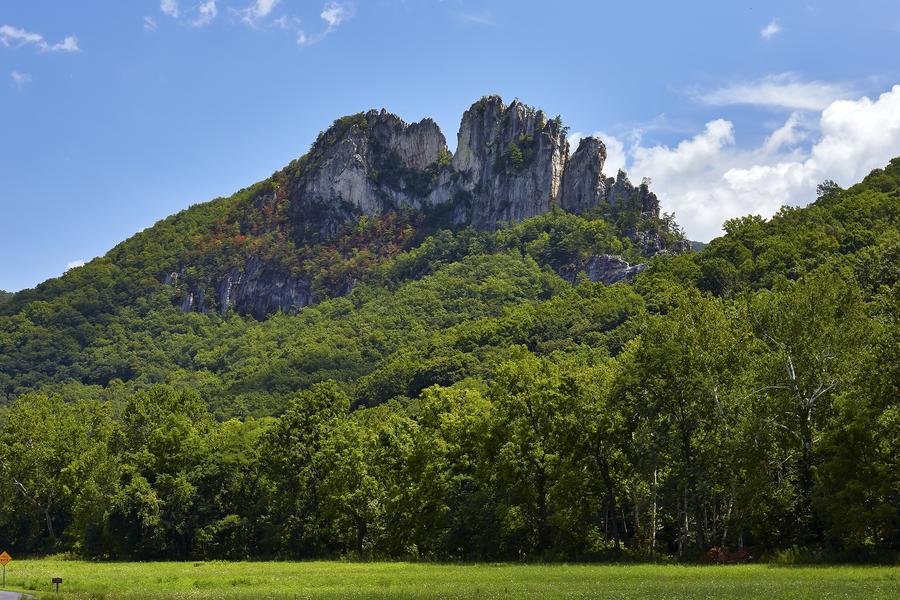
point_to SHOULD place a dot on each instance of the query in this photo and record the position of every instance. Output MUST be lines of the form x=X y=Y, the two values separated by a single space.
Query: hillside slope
x=377 y=204
x=479 y=397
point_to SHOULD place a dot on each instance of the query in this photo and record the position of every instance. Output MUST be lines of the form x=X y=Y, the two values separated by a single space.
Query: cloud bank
x=707 y=179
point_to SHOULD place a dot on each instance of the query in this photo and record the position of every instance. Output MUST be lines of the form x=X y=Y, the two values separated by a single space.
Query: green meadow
x=331 y=580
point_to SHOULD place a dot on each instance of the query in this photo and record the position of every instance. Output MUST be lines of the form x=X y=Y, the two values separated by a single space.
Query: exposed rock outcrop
x=584 y=185
x=508 y=164
x=604 y=268
x=257 y=289
x=260 y=290
x=511 y=163
x=623 y=196
x=365 y=164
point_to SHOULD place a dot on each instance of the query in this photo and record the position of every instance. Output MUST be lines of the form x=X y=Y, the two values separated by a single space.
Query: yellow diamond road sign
x=5 y=558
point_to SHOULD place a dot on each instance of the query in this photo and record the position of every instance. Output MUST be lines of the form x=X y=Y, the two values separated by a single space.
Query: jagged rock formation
x=584 y=185
x=511 y=163
x=365 y=164
x=508 y=164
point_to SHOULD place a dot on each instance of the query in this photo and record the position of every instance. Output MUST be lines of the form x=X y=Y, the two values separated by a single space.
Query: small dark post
x=56 y=582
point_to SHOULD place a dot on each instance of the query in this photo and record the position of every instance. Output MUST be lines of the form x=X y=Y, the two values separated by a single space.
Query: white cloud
x=149 y=24
x=257 y=11
x=20 y=79
x=74 y=264
x=479 y=18
x=207 y=11
x=69 y=44
x=197 y=15
x=336 y=13
x=787 y=136
x=169 y=8
x=14 y=37
x=784 y=90
x=706 y=179
x=770 y=30
x=333 y=13
x=10 y=35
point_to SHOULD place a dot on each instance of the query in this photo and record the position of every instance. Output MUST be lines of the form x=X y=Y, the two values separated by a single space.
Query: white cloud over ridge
x=707 y=179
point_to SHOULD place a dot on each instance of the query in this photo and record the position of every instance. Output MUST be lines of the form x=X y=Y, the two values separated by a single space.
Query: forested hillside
x=472 y=394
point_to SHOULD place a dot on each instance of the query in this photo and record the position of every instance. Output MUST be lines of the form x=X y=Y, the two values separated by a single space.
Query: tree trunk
x=49 y=519
x=610 y=499
x=698 y=518
x=361 y=528
x=805 y=477
x=637 y=511
x=653 y=514
x=727 y=519
x=543 y=517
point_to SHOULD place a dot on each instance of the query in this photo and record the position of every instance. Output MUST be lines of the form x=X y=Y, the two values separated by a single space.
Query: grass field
x=330 y=580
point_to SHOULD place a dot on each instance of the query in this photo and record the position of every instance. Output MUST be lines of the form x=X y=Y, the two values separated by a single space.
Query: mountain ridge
x=511 y=163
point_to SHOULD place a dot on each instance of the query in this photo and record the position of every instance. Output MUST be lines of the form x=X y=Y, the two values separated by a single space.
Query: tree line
x=768 y=420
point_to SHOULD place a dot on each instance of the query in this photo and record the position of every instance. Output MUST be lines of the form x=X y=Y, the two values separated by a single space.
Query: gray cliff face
x=508 y=164
x=584 y=185
x=511 y=163
x=604 y=268
x=256 y=289
x=261 y=291
x=367 y=165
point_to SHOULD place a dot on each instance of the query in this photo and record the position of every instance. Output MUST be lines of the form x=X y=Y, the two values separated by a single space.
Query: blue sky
x=116 y=114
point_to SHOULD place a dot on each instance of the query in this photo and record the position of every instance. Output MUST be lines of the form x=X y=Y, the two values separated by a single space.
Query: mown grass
x=332 y=580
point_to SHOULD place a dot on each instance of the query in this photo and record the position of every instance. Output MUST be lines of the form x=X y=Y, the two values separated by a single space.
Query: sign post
x=4 y=560
x=56 y=582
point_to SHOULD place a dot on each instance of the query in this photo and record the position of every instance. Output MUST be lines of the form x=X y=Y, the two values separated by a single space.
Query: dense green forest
x=464 y=401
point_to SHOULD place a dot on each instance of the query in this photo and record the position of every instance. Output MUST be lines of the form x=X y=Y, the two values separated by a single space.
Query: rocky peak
x=622 y=195
x=365 y=164
x=509 y=163
x=584 y=185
